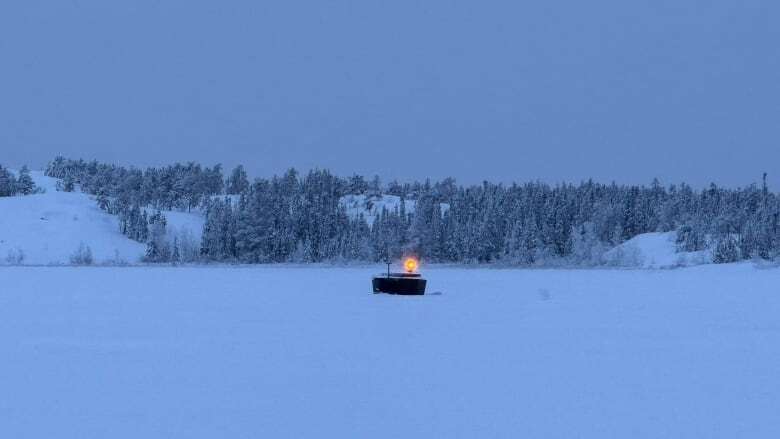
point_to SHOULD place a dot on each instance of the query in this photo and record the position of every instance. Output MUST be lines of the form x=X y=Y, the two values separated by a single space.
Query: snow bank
x=654 y=250
x=48 y=228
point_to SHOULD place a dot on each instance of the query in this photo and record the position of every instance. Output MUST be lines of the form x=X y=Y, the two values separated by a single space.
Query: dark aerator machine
x=409 y=283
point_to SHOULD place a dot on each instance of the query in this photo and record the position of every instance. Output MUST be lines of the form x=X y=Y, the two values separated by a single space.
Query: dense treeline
x=300 y=218
x=11 y=185
x=181 y=186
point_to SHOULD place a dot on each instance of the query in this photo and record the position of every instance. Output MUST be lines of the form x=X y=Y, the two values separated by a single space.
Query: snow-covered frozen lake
x=208 y=352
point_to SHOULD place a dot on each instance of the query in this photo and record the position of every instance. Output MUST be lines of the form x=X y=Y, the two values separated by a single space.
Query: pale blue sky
x=500 y=90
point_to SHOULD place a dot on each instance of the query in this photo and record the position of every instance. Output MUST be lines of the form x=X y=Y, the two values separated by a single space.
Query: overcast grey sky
x=500 y=90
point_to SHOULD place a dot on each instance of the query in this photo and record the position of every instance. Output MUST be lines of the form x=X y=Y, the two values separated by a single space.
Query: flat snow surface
x=287 y=352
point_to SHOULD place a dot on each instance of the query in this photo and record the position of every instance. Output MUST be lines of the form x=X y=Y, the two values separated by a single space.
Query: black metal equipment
x=408 y=284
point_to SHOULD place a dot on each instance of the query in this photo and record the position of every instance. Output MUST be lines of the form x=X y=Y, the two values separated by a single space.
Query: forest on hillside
x=299 y=218
x=11 y=185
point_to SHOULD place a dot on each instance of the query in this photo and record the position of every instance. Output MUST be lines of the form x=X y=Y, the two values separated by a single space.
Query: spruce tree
x=24 y=183
x=238 y=182
x=7 y=183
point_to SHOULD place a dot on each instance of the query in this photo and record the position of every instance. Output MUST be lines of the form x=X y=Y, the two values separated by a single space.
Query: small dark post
x=388 y=268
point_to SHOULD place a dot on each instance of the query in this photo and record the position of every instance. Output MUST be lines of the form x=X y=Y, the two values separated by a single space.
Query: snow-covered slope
x=48 y=228
x=653 y=250
x=189 y=223
x=370 y=206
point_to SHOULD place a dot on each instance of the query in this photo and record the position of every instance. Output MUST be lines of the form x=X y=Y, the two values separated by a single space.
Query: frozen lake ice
x=283 y=351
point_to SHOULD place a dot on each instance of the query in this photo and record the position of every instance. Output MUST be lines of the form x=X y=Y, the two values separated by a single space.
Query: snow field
x=93 y=352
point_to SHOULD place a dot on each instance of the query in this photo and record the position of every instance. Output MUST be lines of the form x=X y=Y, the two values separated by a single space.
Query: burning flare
x=410 y=264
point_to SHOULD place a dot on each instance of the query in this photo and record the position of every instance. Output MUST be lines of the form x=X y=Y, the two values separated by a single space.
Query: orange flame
x=410 y=264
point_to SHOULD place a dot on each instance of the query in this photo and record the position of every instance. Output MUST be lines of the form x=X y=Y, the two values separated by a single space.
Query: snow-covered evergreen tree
x=726 y=250
x=300 y=218
x=157 y=246
x=7 y=183
x=238 y=182
x=24 y=183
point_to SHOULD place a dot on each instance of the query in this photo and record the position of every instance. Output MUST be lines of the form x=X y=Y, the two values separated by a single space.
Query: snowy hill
x=654 y=250
x=48 y=228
